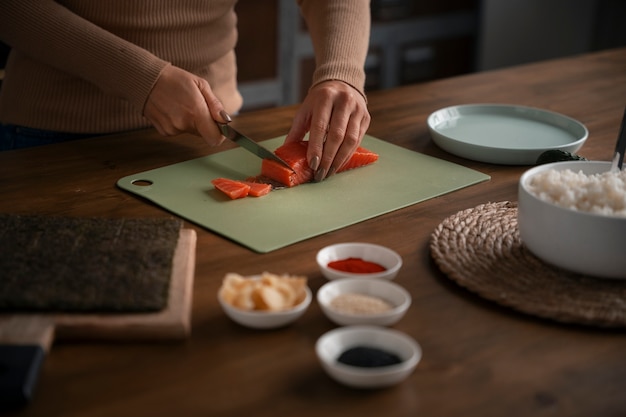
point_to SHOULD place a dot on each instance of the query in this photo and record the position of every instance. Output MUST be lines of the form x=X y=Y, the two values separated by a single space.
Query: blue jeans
x=18 y=137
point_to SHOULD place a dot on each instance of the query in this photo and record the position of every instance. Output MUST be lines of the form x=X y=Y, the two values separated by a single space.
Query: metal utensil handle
x=620 y=147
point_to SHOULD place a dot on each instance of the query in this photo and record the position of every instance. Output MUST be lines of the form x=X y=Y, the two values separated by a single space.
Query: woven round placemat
x=480 y=249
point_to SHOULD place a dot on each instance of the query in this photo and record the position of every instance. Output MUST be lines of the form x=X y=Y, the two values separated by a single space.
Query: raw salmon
x=258 y=189
x=233 y=189
x=239 y=189
x=294 y=153
x=360 y=157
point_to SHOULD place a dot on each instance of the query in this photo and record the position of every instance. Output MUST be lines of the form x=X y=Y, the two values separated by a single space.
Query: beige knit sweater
x=88 y=66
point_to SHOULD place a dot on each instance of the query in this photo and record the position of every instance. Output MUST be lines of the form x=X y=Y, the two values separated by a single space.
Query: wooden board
x=169 y=324
x=26 y=338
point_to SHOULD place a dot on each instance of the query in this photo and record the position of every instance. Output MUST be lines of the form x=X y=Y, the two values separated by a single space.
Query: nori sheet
x=59 y=264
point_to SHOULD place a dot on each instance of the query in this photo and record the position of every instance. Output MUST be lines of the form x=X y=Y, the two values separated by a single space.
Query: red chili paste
x=356 y=265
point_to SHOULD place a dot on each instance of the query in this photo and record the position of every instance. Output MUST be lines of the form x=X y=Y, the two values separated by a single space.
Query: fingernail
x=225 y=116
x=319 y=175
x=331 y=172
x=315 y=162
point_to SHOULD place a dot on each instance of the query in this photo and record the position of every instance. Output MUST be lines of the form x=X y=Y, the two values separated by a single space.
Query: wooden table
x=479 y=359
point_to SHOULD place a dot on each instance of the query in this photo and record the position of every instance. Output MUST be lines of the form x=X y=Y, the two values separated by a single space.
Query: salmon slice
x=361 y=157
x=239 y=189
x=233 y=189
x=294 y=153
x=258 y=189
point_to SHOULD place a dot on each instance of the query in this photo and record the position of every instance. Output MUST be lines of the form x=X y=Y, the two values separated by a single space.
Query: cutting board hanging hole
x=142 y=183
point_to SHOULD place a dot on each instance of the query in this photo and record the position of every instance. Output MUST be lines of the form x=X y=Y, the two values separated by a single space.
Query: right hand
x=181 y=102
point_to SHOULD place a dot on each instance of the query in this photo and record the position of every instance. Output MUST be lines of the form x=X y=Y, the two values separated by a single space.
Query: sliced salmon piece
x=294 y=153
x=360 y=157
x=258 y=189
x=233 y=189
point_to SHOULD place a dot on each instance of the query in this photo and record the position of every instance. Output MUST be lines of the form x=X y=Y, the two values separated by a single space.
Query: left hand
x=336 y=117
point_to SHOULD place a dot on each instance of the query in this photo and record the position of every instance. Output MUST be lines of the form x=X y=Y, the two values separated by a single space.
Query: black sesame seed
x=368 y=357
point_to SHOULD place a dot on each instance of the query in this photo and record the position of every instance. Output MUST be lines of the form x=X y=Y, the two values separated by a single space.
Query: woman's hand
x=181 y=102
x=336 y=117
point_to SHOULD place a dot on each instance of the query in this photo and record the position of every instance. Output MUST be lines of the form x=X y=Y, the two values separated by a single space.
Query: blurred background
x=418 y=40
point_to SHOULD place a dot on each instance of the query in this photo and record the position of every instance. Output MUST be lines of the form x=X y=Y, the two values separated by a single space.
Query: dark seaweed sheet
x=85 y=264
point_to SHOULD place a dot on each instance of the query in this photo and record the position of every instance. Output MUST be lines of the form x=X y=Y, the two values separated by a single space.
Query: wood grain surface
x=171 y=323
x=479 y=359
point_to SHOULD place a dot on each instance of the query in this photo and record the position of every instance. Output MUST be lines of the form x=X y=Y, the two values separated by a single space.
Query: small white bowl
x=366 y=251
x=398 y=297
x=333 y=343
x=582 y=242
x=258 y=319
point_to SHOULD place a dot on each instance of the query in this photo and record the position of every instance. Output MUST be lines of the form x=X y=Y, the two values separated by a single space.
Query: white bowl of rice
x=573 y=215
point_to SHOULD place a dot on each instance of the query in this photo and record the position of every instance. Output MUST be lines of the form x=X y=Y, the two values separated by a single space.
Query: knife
x=250 y=145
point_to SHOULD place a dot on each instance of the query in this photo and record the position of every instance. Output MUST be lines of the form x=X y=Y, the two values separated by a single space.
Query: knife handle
x=19 y=371
x=24 y=342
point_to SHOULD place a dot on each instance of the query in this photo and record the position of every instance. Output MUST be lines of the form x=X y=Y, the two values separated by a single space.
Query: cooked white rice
x=603 y=193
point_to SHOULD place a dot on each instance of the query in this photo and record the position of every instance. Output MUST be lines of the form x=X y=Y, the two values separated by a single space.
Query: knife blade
x=250 y=145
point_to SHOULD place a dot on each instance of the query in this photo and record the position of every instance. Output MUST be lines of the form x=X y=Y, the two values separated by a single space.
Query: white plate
x=504 y=134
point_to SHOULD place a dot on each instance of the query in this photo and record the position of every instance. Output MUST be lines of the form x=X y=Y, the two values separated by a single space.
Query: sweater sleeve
x=48 y=32
x=340 y=33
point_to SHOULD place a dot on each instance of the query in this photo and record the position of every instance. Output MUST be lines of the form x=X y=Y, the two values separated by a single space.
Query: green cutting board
x=398 y=179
